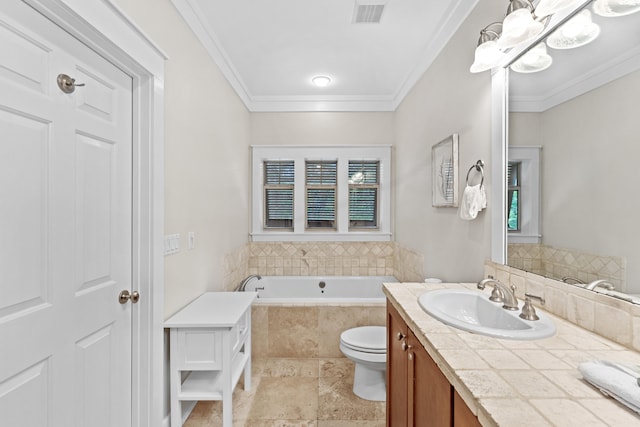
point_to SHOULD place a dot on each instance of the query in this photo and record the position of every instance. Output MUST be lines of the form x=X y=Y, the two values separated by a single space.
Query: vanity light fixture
x=535 y=60
x=549 y=7
x=613 y=8
x=487 y=54
x=519 y=25
x=321 y=81
x=578 y=31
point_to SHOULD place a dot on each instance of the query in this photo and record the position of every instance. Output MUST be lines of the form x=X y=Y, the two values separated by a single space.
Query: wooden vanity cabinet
x=397 y=369
x=418 y=393
x=462 y=415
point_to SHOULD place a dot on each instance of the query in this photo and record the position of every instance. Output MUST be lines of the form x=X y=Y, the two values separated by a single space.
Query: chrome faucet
x=246 y=280
x=601 y=283
x=508 y=295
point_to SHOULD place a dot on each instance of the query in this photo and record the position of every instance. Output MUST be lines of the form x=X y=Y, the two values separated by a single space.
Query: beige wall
x=208 y=131
x=206 y=155
x=320 y=128
x=447 y=99
x=590 y=169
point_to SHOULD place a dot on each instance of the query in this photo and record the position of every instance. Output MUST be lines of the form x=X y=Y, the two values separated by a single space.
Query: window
x=321 y=193
x=278 y=194
x=523 y=194
x=513 y=196
x=321 y=180
x=363 y=194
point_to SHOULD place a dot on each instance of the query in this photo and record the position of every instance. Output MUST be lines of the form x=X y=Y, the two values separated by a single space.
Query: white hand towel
x=613 y=381
x=474 y=199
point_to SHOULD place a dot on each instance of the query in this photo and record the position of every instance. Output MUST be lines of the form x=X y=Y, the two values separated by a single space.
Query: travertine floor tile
x=282 y=367
x=286 y=393
x=337 y=367
x=209 y=413
x=280 y=423
x=337 y=402
x=291 y=398
x=352 y=423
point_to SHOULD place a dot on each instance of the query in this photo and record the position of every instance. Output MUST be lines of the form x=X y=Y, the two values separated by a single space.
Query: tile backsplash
x=605 y=315
x=323 y=259
x=552 y=261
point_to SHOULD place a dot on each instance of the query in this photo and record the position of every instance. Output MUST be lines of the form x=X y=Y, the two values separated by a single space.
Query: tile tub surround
x=610 y=317
x=518 y=383
x=307 y=331
x=322 y=259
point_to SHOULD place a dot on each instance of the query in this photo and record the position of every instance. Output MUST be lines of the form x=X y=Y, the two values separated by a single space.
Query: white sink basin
x=472 y=311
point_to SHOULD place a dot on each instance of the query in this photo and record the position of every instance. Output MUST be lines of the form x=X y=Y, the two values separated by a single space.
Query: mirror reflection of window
x=513 y=196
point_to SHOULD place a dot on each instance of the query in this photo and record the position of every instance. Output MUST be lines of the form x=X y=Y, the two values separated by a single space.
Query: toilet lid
x=370 y=339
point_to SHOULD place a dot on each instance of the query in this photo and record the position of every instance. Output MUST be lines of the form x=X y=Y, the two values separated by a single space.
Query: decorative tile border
x=322 y=259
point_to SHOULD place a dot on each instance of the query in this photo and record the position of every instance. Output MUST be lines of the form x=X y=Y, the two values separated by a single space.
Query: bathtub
x=303 y=316
x=318 y=289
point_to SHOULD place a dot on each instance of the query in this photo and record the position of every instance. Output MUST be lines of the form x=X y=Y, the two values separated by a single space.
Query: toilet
x=366 y=346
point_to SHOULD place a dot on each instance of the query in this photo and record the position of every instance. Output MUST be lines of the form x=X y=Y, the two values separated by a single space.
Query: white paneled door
x=65 y=229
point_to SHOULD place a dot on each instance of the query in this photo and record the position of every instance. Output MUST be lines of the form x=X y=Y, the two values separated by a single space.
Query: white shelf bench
x=210 y=348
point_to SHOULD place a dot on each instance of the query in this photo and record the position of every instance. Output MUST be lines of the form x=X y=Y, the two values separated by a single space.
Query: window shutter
x=321 y=182
x=363 y=194
x=278 y=194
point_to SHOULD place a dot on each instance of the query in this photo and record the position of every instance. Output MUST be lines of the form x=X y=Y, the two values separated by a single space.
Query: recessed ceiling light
x=321 y=81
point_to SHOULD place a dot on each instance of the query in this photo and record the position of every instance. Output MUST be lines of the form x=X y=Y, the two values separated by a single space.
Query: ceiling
x=270 y=50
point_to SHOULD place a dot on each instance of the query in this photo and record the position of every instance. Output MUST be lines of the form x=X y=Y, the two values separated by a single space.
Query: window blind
x=321 y=179
x=278 y=194
x=363 y=194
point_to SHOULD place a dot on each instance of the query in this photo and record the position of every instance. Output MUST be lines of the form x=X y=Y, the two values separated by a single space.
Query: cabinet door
x=430 y=400
x=462 y=415
x=396 y=369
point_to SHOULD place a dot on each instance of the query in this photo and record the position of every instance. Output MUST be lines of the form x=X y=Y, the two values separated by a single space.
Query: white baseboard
x=187 y=408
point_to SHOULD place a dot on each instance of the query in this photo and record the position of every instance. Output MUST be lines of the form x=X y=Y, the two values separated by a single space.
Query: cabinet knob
x=405 y=346
x=400 y=336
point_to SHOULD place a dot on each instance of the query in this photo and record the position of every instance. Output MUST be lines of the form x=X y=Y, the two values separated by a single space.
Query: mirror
x=584 y=114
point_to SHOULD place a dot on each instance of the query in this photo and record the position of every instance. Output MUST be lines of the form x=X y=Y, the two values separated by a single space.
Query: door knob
x=126 y=296
x=67 y=84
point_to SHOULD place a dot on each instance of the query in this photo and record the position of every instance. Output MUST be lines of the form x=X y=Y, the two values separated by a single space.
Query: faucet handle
x=528 y=310
x=496 y=295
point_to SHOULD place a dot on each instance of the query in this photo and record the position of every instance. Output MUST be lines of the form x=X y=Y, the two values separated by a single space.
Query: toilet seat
x=366 y=339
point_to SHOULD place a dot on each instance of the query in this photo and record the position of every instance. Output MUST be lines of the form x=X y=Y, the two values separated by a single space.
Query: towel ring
x=479 y=166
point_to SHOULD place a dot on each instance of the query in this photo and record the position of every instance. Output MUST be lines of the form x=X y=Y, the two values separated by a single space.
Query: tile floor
x=295 y=393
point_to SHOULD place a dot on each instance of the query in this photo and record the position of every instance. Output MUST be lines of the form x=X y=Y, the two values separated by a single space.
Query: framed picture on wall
x=444 y=169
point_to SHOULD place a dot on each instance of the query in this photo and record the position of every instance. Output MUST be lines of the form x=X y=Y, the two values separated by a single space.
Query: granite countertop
x=518 y=383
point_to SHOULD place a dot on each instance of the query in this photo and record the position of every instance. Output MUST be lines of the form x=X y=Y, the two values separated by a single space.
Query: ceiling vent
x=368 y=11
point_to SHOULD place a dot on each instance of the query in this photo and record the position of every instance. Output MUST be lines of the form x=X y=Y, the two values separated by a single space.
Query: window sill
x=320 y=237
x=523 y=238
